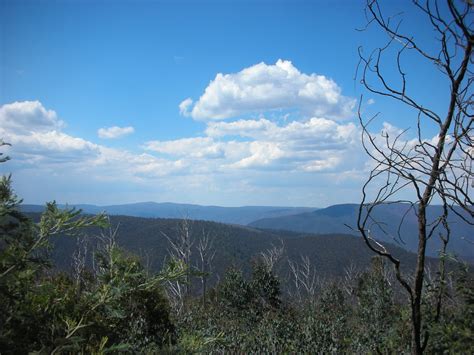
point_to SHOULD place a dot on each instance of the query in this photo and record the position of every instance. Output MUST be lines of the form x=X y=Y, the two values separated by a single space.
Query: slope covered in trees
x=329 y=254
x=398 y=221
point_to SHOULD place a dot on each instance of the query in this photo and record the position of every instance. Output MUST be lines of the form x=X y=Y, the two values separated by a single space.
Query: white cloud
x=263 y=88
x=262 y=155
x=114 y=132
x=315 y=145
x=244 y=128
x=38 y=143
x=116 y=164
x=36 y=137
x=28 y=116
x=184 y=107
x=327 y=164
x=200 y=147
x=52 y=147
x=315 y=132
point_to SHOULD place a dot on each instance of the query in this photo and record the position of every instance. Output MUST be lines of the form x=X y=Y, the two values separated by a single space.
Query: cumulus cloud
x=315 y=145
x=28 y=116
x=114 y=132
x=50 y=147
x=263 y=88
x=302 y=131
x=262 y=155
x=36 y=137
x=313 y=133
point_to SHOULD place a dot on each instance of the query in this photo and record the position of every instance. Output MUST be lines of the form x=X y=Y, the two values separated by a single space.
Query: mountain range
x=336 y=219
x=343 y=219
x=233 y=215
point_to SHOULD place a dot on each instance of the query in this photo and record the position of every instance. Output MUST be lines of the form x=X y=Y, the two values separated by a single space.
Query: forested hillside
x=337 y=219
x=329 y=254
x=397 y=225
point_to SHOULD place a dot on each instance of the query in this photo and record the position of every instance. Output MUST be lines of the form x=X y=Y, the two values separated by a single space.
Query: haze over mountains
x=234 y=215
x=336 y=219
x=343 y=219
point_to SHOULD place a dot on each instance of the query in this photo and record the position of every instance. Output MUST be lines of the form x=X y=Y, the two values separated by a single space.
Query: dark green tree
x=265 y=286
x=375 y=310
x=234 y=291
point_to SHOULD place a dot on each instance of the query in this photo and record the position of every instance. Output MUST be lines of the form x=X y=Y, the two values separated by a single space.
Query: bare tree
x=207 y=252
x=146 y=257
x=107 y=242
x=272 y=256
x=305 y=282
x=79 y=258
x=351 y=276
x=437 y=170
x=180 y=248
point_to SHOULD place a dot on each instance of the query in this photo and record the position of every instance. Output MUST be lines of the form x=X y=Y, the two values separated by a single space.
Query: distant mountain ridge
x=334 y=219
x=233 y=215
x=341 y=218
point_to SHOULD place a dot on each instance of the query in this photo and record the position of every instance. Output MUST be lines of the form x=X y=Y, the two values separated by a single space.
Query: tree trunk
x=417 y=346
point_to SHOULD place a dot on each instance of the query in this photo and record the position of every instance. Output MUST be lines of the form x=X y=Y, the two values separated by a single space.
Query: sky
x=226 y=103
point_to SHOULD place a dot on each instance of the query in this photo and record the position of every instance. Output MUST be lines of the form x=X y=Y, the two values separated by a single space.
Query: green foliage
x=128 y=307
x=68 y=221
x=235 y=293
x=376 y=309
x=240 y=318
x=193 y=343
x=3 y=157
x=23 y=242
x=260 y=293
x=116 y=307
x=325 y=322
x=453 y=332
x=265 y=286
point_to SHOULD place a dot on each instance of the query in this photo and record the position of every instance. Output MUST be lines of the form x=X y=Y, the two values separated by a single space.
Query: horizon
x=219 y=206
x=179 y=203
x=208 y=103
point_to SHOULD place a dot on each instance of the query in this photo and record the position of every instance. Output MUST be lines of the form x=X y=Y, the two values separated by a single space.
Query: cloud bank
x=314 y=145
x=237 y=158
x=39 y=142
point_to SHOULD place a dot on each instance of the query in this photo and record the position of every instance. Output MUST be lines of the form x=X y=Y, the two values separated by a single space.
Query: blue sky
x=210 y=102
